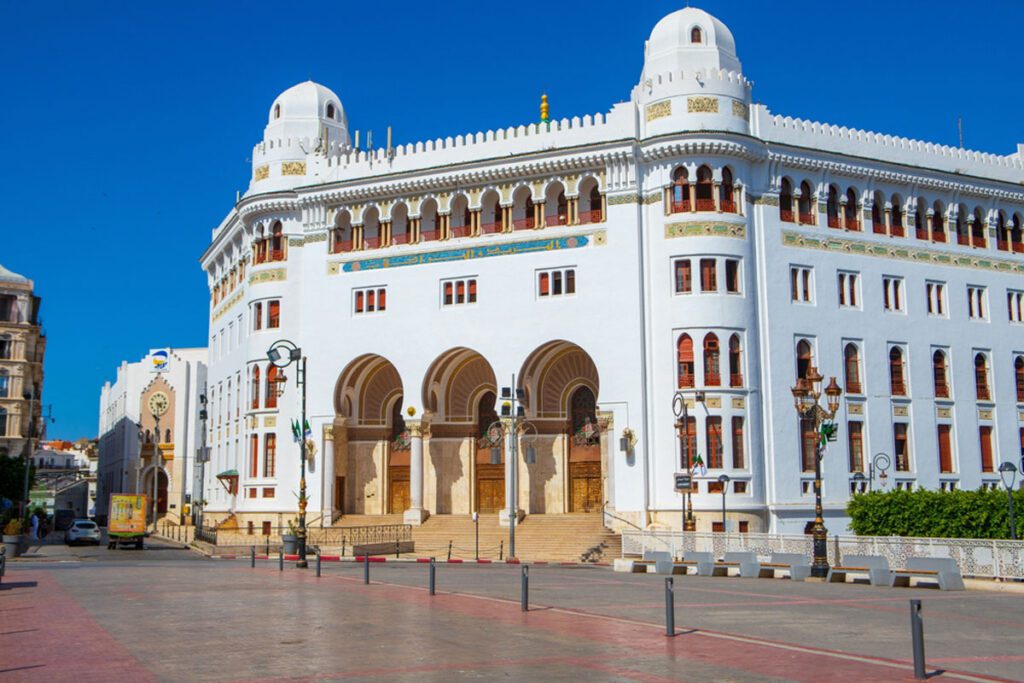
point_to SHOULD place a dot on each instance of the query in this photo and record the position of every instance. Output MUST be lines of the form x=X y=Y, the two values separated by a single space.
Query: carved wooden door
x=490 y=488
x=399 y=491
x=585 y=486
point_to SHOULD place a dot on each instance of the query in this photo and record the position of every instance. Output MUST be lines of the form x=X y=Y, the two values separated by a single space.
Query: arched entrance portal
x=371 y=444
x=490 y=457
x=161 y=489
x=561 y=384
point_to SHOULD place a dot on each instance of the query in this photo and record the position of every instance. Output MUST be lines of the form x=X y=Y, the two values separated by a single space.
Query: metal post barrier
x=268 y=545
x=433 y=576
x=318 y=563
x=397 y=556
x=366 y=567
x=501 y=549
x=252 y=556
x=917 y=637
x=449 y=550
x=524 y=597
x=343 y=547
x=670 y=609
x=3 y=563
x=280 y=560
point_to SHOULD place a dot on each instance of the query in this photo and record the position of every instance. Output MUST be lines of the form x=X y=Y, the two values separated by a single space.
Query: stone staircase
x=553 y=538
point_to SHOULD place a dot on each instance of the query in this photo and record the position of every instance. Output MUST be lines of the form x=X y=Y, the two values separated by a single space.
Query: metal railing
x=318 y=536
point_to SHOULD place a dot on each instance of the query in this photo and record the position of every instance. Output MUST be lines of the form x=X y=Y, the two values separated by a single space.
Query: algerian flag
x=308 y=433
x=698 y=464
x=295 y=431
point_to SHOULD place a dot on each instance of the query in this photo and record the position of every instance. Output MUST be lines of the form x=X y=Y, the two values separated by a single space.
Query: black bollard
x=252 y=556
x=280 y=560
x=397 y=550
x=917 y=638
x=318 y=564
x=670 y=609
x=343 y=547
x=433 y=575
x=524 y=597
x=449 y=550
x=501 y=550
x=366 y=567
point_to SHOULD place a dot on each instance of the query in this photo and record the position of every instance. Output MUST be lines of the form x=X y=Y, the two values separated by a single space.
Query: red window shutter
x=738 y=459
x=985 y=435
x=359 y=302
x=382 y=299
x=254 y=455
x=448 y=293
x=856 y=443
x=472 y=291
x=545 y=283
x=713 y=434
x=370 y=301
x=570 y=281
x=945 y=449
x=460 y=292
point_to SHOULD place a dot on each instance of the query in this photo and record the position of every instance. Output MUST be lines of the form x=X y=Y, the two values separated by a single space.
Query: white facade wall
x=692 y=107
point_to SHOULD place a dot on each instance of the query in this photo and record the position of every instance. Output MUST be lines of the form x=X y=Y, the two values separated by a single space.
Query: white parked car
x=82 y=531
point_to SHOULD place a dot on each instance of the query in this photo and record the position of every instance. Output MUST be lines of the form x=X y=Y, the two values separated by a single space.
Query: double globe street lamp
x=806 y=395
x=281 y=354
x=1008 y=473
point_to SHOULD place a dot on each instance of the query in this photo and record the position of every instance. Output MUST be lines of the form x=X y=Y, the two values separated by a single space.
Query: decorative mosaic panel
x=600 y=238
x=702 y=105
x=739 y=402
x=944 y=413
x=623 y=199
x=261 y=172
x=224 y=307
x=909 y=253
x=705 y=229
x=272 y=275
x=856 y=408
x=714 y=401
x=766 y=200
x=984 y=414
x=315 y=237
x=654 y=197
x=296 y=241
x=740 y=110
x=658 y=110
x=293 y=168
x=270 y=421
x=464 y=254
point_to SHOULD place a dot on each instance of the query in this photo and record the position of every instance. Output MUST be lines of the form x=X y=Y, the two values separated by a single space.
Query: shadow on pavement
x=6 y=586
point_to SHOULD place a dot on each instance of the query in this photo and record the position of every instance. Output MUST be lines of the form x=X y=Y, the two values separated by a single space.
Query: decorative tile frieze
x=315 y=237
x=908 y=253
x=270 y=421
x=261 y=172
x=984 y=413
x=615 y=200
x=702 y=105
x=855 y=408
x=296 y=241
x=766 y=200
x=463 y=254
x=903 y=411
x=293 y=168
x=226 y=306
x=705 y=229
x=269 y=275
x=944 y=413
x=658 y=110
x=739 y=109
x=713 y=401
x=739 y=402
x=655 y=197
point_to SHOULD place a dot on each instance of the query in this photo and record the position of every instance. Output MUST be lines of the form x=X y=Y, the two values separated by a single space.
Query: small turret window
x=330 y=111
x=277 y=111
x=695 y=35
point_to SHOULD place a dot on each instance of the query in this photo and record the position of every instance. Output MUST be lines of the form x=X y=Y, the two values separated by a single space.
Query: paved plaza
x=167 y=614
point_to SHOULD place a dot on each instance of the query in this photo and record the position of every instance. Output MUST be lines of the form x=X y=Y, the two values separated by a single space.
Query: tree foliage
x=935 y=514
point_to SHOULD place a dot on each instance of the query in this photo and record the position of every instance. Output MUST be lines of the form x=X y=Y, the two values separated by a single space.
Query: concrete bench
x=798 y=566
x=942 y=570
x=745 y=563
x=875 y=567
x=660 y=560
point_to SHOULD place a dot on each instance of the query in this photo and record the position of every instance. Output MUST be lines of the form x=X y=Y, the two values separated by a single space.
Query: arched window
x=486 y=416
x=341 y=235
x=832 y=207
x=712 y=361
x=877 y=215
x=255 y=389
x=277 y=243
x=804 y=204
x=149 y=436
x=695 y=35
x=851 y=364
x=962 y=236
x=850 y=214
x=1016 y=235
x=270 y=401
x=596 y=213
x=680 y=200
x=1018 y=373
x=897 y=385
x=330 y=111
x=685 y=362
x=167 y=436
x=981 y=377
x=938 y=223
x=4 y=383
x=921 y=222
x=978 y=231
x=735 y=362
x=3 y=422
x=786 y=201
x=277 y=111
x=563 y=209
x=804 y=360
x=896 y=217
x=726 y=192
x=941 y=375
x=1002 y=232
x=705 y=190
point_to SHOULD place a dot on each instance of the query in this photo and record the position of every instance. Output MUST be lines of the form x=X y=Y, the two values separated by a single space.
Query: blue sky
x=127 y=126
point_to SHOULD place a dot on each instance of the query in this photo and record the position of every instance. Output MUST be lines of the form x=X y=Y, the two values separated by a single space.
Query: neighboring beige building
x=22 y=346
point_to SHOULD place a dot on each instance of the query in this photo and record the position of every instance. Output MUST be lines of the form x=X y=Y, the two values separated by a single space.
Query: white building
x=129 y=434
x=687 y=239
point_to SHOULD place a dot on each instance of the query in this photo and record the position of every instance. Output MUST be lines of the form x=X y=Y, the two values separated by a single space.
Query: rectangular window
x=800 y=284
x=808 y=445
x=855 y=439
x=257 y=317
x=732 y=275
x=269 y=455
x=683 y=276
x=1015 y=306
x=252 y=494
x=847 y=286
x=708 y=275
x=273 y=314
x=369 y=300
x=713 y=434
x=985 y=436
x=892 y=293
x=936 y=295
x=738 y=455
x=556 y=282
x=744 y=525
x=688 y=443
x=945 y=436
x=739 y=487
x=976 y=304
x=268 y=493
x=254 y=456
x=901 y=447
x=458 y=292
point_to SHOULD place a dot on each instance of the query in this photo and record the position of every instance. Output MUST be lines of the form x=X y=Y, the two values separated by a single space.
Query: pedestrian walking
x=35 y=527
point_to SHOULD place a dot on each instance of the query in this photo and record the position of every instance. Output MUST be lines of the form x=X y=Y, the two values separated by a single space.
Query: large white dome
x=689 y=39
x=310 y=101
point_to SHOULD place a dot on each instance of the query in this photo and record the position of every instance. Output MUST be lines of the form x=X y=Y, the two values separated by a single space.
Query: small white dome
x=689 y=39
x=308 y=100
x=11 y=276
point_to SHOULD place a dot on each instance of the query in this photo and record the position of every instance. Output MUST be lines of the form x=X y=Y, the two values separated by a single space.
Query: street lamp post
x=200 y=500
x=156 y=464
x=724 y=481
x=880 y=462
x=679 y=408
x=30 y=396
x=1008 y=473
x=513 y=410
x=806 y=394
x=281 y=354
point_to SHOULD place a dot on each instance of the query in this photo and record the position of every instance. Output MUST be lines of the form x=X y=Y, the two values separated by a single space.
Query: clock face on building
x=158 y=403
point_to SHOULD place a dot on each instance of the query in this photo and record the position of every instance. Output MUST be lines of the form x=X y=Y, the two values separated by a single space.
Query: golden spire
x=545 y=114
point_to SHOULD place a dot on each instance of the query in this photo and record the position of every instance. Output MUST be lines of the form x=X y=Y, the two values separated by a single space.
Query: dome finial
x=545 y=110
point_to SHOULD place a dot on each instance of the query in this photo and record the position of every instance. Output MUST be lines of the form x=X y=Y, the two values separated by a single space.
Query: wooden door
x=399 y=490
x=490 y=488
x=585 y=489
x=339 y=494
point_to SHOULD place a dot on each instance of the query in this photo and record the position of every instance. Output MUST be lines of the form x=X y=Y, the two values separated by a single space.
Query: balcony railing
x=341 y=247
x=371 y=242
x=939 y=237
x=853 y=387
x=729 y=206
x=460 y=231
x=786 y=215
x=523 y=223
x=962 y=239
x=712 y=379
x=558 y=219
x=1002 y=245
x=807 y=219
x=592 y=216
x=833 y=221
x=400 y=238
x=878 y=228
x=896 y=230
x=705 y=204
x=428 y=235
x=490 y=228
x=735 y=379
x=680 y=207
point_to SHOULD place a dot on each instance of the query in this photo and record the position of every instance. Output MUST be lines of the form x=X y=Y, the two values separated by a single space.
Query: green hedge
x=936 y=514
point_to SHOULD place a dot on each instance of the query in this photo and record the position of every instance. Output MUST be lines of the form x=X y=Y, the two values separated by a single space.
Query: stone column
x=327 y=504
x=416 y=513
